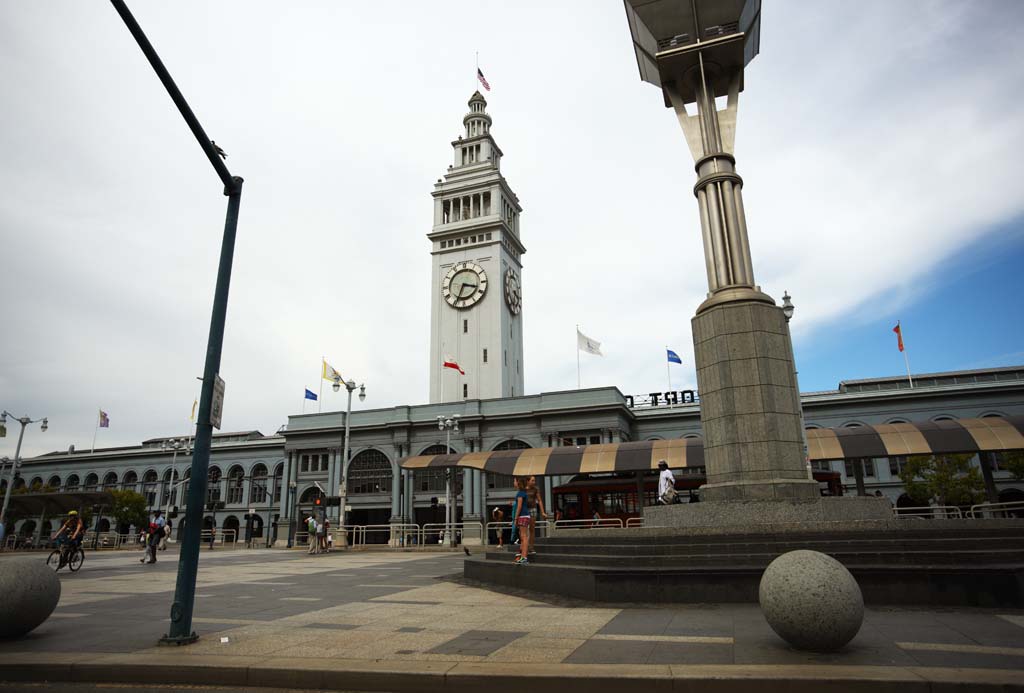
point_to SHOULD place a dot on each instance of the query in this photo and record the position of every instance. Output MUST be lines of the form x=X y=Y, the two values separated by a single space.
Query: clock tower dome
x=476 y=284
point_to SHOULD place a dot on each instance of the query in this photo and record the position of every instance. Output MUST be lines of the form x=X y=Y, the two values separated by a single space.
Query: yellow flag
x=192 y=416
x=329 y=374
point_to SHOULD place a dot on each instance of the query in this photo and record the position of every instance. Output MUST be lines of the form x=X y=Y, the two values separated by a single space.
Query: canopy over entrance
x=33 y=504
x=881 y=440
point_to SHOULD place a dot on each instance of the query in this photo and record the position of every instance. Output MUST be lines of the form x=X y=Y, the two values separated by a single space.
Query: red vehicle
x=614 y=495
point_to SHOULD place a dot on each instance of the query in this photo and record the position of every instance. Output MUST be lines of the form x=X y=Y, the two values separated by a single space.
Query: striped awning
x=586 y=459
x=880 y=440
x=919 y=438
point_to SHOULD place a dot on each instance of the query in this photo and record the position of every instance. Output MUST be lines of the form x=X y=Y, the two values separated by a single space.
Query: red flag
x=451 y=364
x=899 y=335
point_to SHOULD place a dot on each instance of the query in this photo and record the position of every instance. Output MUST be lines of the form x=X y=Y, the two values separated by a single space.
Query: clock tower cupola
x=476 y=282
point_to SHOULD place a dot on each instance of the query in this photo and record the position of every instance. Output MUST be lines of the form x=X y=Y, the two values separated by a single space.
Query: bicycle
x=66 y=555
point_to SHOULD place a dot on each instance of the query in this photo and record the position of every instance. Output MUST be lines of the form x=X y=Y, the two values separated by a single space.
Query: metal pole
x=14 y=472
x=184 y=593
x=343 y=493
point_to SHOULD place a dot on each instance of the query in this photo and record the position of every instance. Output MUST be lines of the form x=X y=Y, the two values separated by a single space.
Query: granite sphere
x=811 y=600
x=29 y=592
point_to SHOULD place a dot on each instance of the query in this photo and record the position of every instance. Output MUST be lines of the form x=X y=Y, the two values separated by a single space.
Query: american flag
x=483 y=80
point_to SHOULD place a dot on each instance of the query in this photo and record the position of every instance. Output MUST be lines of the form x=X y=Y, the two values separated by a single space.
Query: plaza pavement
x=408 y=621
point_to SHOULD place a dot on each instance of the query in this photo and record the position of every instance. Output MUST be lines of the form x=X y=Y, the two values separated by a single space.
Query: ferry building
x=477 y=321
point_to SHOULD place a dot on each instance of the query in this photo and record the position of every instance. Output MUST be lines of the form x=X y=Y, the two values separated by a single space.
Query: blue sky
x=968 y=315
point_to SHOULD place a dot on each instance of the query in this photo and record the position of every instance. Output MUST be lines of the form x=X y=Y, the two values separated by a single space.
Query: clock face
x=513 y=292
x=464 y=285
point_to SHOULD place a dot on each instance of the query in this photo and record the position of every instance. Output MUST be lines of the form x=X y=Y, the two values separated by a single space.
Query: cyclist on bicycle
x=71 y=531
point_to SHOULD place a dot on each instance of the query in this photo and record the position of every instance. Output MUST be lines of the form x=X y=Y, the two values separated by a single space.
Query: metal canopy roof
x=34 y=504
x=881 y=440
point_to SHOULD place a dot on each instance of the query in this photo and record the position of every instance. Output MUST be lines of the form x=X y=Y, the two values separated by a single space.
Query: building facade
x=274 y=478
x=476 y=316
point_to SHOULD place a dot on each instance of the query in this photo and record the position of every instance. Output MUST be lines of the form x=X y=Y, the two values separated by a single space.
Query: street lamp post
x=787 y=312
x=180 y=631
x=292 y=486
x=176 y=444
x=24 y=421
x=448 y=424
x=350 y=385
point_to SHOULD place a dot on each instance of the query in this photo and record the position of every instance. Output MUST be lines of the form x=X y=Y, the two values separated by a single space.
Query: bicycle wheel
x=75 y=560
x=53 y=560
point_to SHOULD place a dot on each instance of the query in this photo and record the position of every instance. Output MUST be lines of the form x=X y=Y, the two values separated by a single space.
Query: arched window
x=505 y=481
x=37 y=485
x=91 y=480
x=170 y=493
x=149 y=480
x=72 y=483
x=236 y=480
x=258 y=491
x=128 y=482
x=369 y=472
x=213 y=485
x=110 y=481
x=278 y=479
x=309 y=495
x=431 y=478
x=54 y=482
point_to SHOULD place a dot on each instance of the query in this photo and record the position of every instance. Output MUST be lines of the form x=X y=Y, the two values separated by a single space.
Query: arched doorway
x=905 y=501
x=104 y=525
x=230 y=528
x=257 y=526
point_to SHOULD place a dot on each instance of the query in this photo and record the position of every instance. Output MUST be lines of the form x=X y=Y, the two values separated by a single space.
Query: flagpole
x=95 y=430
x=579 y=385
x=668 y=371
x=906 y=359
x=323 y=371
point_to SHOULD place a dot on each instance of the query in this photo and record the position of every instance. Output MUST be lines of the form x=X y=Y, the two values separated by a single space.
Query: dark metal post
x=188 y=564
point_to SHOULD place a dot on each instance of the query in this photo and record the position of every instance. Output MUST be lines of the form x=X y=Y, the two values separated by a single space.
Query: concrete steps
x=972 y=566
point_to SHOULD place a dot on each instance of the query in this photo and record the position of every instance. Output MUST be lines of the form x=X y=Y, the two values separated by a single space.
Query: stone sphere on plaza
x=811 y=600
x=29 y=592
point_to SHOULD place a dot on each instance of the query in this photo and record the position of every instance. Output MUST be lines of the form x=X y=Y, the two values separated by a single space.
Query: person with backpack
x=667 y=494
x=314 y=547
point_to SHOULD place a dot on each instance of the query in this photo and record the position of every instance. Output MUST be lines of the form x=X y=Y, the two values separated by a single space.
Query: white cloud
x=875 y=145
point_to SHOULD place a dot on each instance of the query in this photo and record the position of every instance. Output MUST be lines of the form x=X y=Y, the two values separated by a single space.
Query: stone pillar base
x=749 y=405
x=739 y=516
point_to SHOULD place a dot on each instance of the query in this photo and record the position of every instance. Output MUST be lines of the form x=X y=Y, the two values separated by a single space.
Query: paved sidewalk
x=286 y=619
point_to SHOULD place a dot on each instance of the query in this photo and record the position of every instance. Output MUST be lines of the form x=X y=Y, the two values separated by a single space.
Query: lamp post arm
x=176 y=96
x=24 y=421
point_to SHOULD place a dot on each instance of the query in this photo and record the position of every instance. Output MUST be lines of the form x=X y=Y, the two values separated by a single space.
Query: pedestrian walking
x=321 y=538
x=327 y=536
x=667 y=494
x=536 y=505
x=213 y=531
x=499 y=531
x=521 y=513
x=311 y=530
x=165 y=536
x=153 y=536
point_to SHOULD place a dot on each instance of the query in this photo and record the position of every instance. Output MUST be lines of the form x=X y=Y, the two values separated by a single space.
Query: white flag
x=587 y=344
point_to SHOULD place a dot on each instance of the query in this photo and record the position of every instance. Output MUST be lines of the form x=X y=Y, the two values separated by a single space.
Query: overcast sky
x=880 y=144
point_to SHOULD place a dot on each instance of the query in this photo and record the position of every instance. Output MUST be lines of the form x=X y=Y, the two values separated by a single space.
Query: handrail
x=1000 y=508
x=926 y=511
x=588 y=524
x=634 y=522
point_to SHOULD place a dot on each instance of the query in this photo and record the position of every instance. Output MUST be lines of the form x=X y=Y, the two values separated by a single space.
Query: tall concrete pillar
x=750 y=407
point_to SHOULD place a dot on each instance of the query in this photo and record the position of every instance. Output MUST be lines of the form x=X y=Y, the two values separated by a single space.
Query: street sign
x=217 y=407
x=348 y=508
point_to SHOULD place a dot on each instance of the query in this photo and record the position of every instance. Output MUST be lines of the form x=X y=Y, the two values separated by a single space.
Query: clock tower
x=476 y=284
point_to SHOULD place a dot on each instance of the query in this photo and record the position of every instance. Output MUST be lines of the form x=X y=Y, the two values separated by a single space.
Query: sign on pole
x=217 y=407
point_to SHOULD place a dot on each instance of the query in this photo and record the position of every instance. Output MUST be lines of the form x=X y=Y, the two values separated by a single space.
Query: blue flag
x=310 y=395
x=673 y=357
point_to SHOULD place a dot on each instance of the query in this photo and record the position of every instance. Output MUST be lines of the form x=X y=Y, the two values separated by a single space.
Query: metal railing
x=1007 y=510
x=225 y=537
x=940 y=512
x=606 y=522
x=634 y=522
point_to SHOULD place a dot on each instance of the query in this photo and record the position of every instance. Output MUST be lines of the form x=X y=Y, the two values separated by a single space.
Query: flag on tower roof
x=585 y=343
x=673 y=357
x=310 y=394
x=483 y=80
x=104 y=419
x=330 y=374
x=899 y=335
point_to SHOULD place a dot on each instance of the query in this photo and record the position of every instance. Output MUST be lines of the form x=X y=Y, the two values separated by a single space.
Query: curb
x=377 y=675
